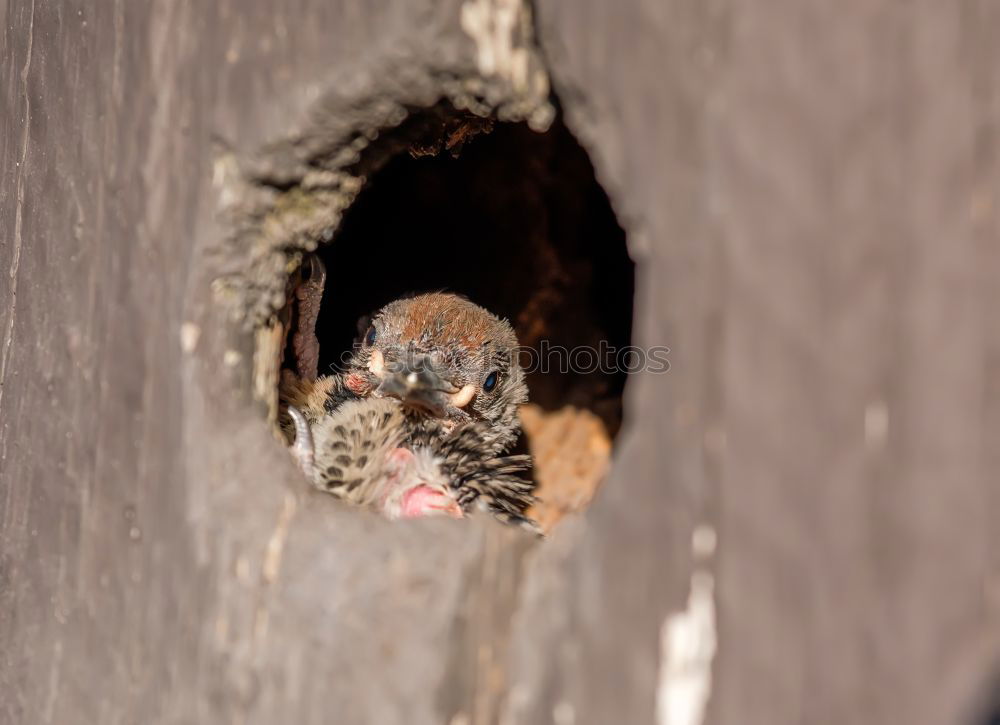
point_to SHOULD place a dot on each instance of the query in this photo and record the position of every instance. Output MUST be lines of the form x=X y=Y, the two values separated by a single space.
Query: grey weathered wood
x=810 y=191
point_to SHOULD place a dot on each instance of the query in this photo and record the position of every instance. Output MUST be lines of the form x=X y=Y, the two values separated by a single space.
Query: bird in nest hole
x=420 y=419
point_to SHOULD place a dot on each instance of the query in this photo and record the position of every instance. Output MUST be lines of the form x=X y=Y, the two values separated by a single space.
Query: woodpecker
x=420 y=419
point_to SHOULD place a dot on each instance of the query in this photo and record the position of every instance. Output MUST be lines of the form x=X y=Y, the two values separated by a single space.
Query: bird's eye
x=491 y=381
x=370 y=336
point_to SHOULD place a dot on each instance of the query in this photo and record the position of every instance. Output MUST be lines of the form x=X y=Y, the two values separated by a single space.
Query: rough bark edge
x=290 y=196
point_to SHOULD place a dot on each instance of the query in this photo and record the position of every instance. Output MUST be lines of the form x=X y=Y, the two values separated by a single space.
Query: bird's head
x=445 y=358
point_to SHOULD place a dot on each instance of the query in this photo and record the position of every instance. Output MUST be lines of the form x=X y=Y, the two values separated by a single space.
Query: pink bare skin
x=357 y=385
x=425 y=501
x=418 y=499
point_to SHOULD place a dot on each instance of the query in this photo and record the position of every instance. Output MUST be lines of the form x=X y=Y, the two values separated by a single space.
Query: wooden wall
x=810 y=194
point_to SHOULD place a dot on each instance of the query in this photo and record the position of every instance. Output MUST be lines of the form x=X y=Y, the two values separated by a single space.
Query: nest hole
x=516 y=221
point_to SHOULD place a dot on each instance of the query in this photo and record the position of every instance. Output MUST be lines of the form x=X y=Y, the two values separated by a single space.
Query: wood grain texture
x=810 y=190
x=162 y=561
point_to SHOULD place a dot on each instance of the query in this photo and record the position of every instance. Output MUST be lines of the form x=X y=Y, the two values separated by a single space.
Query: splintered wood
x=571 y=449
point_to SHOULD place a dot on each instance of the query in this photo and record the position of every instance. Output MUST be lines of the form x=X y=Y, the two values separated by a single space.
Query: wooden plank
x=161 y=558
x=810 y=192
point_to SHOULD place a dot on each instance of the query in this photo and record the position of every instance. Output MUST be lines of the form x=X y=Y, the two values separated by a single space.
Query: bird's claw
x=302 y=449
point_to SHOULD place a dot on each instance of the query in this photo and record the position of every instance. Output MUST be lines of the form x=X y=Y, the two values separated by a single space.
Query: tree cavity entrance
x=516 y=221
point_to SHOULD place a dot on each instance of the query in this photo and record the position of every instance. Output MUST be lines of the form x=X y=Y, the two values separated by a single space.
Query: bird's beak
x=418 y=385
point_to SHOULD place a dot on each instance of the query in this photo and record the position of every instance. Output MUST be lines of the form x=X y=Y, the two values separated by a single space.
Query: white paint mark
x=502 y=31
x=876 y=424
x=276 y=544
x=687 y=648
x=563 y=714
x=226 y=178
x=703 y=541
x=190 y=333
x=491 y=23
x=231 y=358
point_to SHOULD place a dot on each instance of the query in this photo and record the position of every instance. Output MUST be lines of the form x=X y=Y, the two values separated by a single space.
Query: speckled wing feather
x=352 y=446
x=492 y=483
